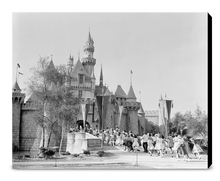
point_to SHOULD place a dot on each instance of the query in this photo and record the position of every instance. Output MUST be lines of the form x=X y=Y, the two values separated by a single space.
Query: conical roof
x=131 y=94
x=16 y=87
x=120 y=92
x=89 y=40
x=79 y=69
x=107 y=92
x=51 y=65
x=141 y=110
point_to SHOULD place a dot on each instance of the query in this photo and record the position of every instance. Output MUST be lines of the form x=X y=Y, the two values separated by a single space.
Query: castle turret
x=70 y=64
x=17 y=100
x=132 y=108
x=131 y=95
x=88 y=61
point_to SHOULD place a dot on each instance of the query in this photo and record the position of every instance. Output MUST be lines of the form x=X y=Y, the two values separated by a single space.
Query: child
x=196 y=149
x=150 y=145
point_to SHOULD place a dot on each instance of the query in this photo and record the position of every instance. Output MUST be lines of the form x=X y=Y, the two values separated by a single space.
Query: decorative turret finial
x=101 y=77
x=78 y=55
x=89 y=40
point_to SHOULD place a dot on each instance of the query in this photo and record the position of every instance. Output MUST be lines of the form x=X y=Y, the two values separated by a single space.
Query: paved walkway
x=119 y=160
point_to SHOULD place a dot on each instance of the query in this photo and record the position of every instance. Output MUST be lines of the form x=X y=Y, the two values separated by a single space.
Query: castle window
x=80 y=93
x=80 y=78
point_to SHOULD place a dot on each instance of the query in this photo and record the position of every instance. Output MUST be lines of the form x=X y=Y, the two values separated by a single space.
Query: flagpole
x=16 y=72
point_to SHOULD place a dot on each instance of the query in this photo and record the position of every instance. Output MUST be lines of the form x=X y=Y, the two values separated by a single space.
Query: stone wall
x=16 y=112
x=30 y=132
x=142 y=125
x=133 y=121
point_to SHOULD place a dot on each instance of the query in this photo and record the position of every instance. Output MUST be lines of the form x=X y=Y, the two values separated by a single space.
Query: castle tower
x=17 y=100
x=70 y=64
x=131 y=95
x=132 y=107
x=88 y=61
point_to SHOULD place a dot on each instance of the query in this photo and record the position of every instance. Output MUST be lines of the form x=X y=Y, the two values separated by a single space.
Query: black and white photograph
x=110 y=91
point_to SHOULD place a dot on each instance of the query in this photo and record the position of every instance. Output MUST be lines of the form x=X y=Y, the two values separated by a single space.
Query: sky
x=167 y=52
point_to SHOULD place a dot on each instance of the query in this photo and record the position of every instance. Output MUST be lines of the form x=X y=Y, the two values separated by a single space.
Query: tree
x=178 y=122
x=59 y=103
x=196 y=124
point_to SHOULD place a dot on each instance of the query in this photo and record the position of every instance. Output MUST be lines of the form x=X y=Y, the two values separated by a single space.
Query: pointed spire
x=70 y=58
x=15 y=87
x=89 y=40
x=131 y=94
x=101 y=77
x=78 y=56
x=120 y=92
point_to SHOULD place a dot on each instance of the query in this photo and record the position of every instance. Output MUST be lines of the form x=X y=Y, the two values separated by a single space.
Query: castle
x=118 y=109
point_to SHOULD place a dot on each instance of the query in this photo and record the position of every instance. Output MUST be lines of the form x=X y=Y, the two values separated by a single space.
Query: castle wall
x=110 y=121
x=133 y=121
x=123 y=124
x=16 y=112
x=142 y=125
x=30 y=132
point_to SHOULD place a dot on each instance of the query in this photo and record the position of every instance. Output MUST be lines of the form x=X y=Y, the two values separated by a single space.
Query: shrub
x=101 y=153
x=86 y=152
x=65 y=153
x=75 y=155
x=46 y=153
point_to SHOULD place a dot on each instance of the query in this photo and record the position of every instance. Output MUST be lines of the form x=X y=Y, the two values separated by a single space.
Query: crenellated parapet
x=18 y=97
x=132 y=106
x=88 y=61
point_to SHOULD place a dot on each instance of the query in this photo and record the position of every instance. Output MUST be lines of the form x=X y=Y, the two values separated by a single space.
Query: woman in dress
x=196 y=149
x=162 y=145
x=107 y=136
x=150 y=145
x=176 y=145
x=157 y=145
x=118 y=139
x=135 y=144
x=170 y=143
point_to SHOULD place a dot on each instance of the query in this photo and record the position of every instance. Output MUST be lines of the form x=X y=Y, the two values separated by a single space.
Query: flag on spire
x=18 y=65
x=20 y=73
x=131 y=72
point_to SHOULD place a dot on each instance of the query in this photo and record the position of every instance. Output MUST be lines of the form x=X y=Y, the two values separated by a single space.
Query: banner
x=105 y=108
x=120 y=113
x=162 y=124
x=168 y=109
x=83 y=106
x=87 y=111
x=99 y=103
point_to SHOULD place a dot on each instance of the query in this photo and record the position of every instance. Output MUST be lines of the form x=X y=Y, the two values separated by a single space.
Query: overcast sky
x=167 y=52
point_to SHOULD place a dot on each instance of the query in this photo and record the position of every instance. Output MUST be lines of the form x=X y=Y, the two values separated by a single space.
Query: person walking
x=161 y=145
x=170 y=143
x=176 y=145
x=196 y=149
x=185 y=148
x=135 y=144
x=150 y=145
x=157 y=144
x=145 y=140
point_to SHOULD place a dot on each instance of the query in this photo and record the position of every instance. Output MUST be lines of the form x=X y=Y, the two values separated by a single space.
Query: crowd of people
x=156 y=144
